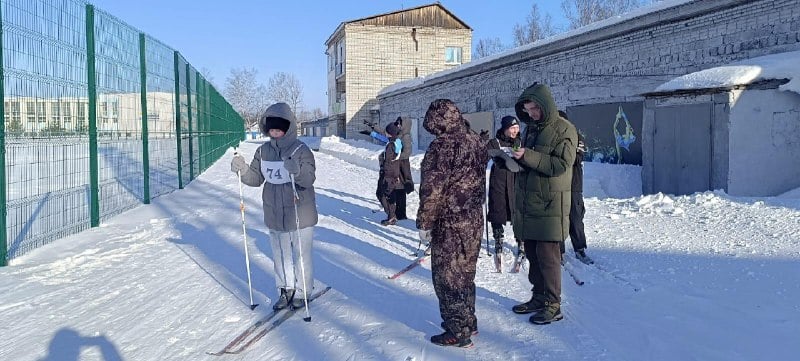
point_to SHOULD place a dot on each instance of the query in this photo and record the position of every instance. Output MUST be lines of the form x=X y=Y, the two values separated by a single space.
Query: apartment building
x=368 y=54
x=117 y=114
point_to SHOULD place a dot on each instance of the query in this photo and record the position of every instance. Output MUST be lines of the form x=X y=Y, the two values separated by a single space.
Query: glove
x=238 y=164
x=365 y=132
x=291 y=166
x=581 y=147
x=484 y=134
x=408 y=187
x=425 y=235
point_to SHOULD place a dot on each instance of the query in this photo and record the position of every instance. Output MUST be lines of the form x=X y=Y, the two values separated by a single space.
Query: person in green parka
x=543 y=195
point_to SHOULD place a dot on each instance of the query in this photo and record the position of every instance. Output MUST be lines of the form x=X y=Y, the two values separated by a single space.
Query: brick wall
x=378 y=56
x=612 y=63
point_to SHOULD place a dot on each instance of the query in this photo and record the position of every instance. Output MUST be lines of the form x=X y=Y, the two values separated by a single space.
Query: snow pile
x=776 y=66
x=311 y=142
x=363 y=153
x=601 y=180
x=358 y=152
x=658 y=203
x=794 y=193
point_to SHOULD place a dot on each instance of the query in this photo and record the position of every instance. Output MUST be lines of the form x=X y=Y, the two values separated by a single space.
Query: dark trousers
x=545 y=271
x=576 y=233
x=400 y=202
x=387 y=199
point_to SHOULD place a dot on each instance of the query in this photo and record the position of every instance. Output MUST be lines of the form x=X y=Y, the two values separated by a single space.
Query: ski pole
x=300 y=247
x=486 y=224
x=244 y=239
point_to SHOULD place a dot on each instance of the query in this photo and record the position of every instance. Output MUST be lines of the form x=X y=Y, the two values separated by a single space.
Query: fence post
x=3 y=183
x=189 y=115
x=94 y=187
x=145 y=136
x=178 y=119
x=198 y=90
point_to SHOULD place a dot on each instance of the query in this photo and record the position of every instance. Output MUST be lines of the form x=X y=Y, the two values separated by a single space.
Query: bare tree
x=534 y=28
x=246 y=94
x=584 y=12
x=284 y=87
x=310 y=115
x=318 y=113
x=486 y=47
x=206 y=73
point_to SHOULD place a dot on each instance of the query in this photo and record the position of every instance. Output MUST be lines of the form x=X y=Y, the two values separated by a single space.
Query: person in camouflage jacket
x=450 y=216
x=543 y=196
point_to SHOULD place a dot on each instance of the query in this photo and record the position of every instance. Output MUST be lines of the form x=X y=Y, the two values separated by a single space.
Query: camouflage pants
x=454 y=255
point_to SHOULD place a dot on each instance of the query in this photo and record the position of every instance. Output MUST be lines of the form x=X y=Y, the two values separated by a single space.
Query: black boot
x=580 y=254
x=284 y=299
x=449 y=339
x=298 y=302
x=391 y=219
x=498 y=235
x=551 y=312
x=536 y=304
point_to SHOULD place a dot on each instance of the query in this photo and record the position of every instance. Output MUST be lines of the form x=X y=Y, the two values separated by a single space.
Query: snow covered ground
x=700 y=277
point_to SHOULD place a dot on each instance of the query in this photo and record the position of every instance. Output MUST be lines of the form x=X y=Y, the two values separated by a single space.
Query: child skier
x=286 y=168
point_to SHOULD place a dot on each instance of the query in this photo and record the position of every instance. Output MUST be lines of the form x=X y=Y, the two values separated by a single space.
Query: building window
x=55 y=112
x=452 y=55
x=41 y=112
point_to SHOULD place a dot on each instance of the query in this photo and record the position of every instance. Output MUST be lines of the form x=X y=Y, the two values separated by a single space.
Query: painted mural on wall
x=612 y=131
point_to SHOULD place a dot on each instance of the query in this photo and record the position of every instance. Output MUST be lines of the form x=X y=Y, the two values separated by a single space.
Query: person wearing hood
x=451 y=196
x=273 y=165
x=501 y=180
x=407 y=182
x=543 y=196
x=390 y=177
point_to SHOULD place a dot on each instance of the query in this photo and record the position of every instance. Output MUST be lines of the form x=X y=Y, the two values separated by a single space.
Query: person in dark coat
x=390 y=177
x=543 y=196
x=501 y=178
x=451 y=196
x=405 y=166
x=577 y=210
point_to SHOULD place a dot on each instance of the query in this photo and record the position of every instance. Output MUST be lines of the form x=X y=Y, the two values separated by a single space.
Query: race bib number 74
x=274 y=172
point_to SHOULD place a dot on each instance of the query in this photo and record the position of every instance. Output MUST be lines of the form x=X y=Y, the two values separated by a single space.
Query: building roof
x=744 y=72
x=386 y=16
x=316 y=122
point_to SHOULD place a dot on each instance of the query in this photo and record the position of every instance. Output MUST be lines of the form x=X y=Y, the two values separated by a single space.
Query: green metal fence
x=98 y=119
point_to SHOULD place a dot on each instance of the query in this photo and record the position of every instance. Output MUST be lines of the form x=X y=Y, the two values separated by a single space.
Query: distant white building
x=117 y=114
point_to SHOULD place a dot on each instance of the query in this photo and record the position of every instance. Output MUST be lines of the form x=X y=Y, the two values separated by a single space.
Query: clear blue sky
x=289 y=36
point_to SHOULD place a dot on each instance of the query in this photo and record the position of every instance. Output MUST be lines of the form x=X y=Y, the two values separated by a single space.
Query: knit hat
x=392 y=129
x=507 y=122
x=276 y=123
